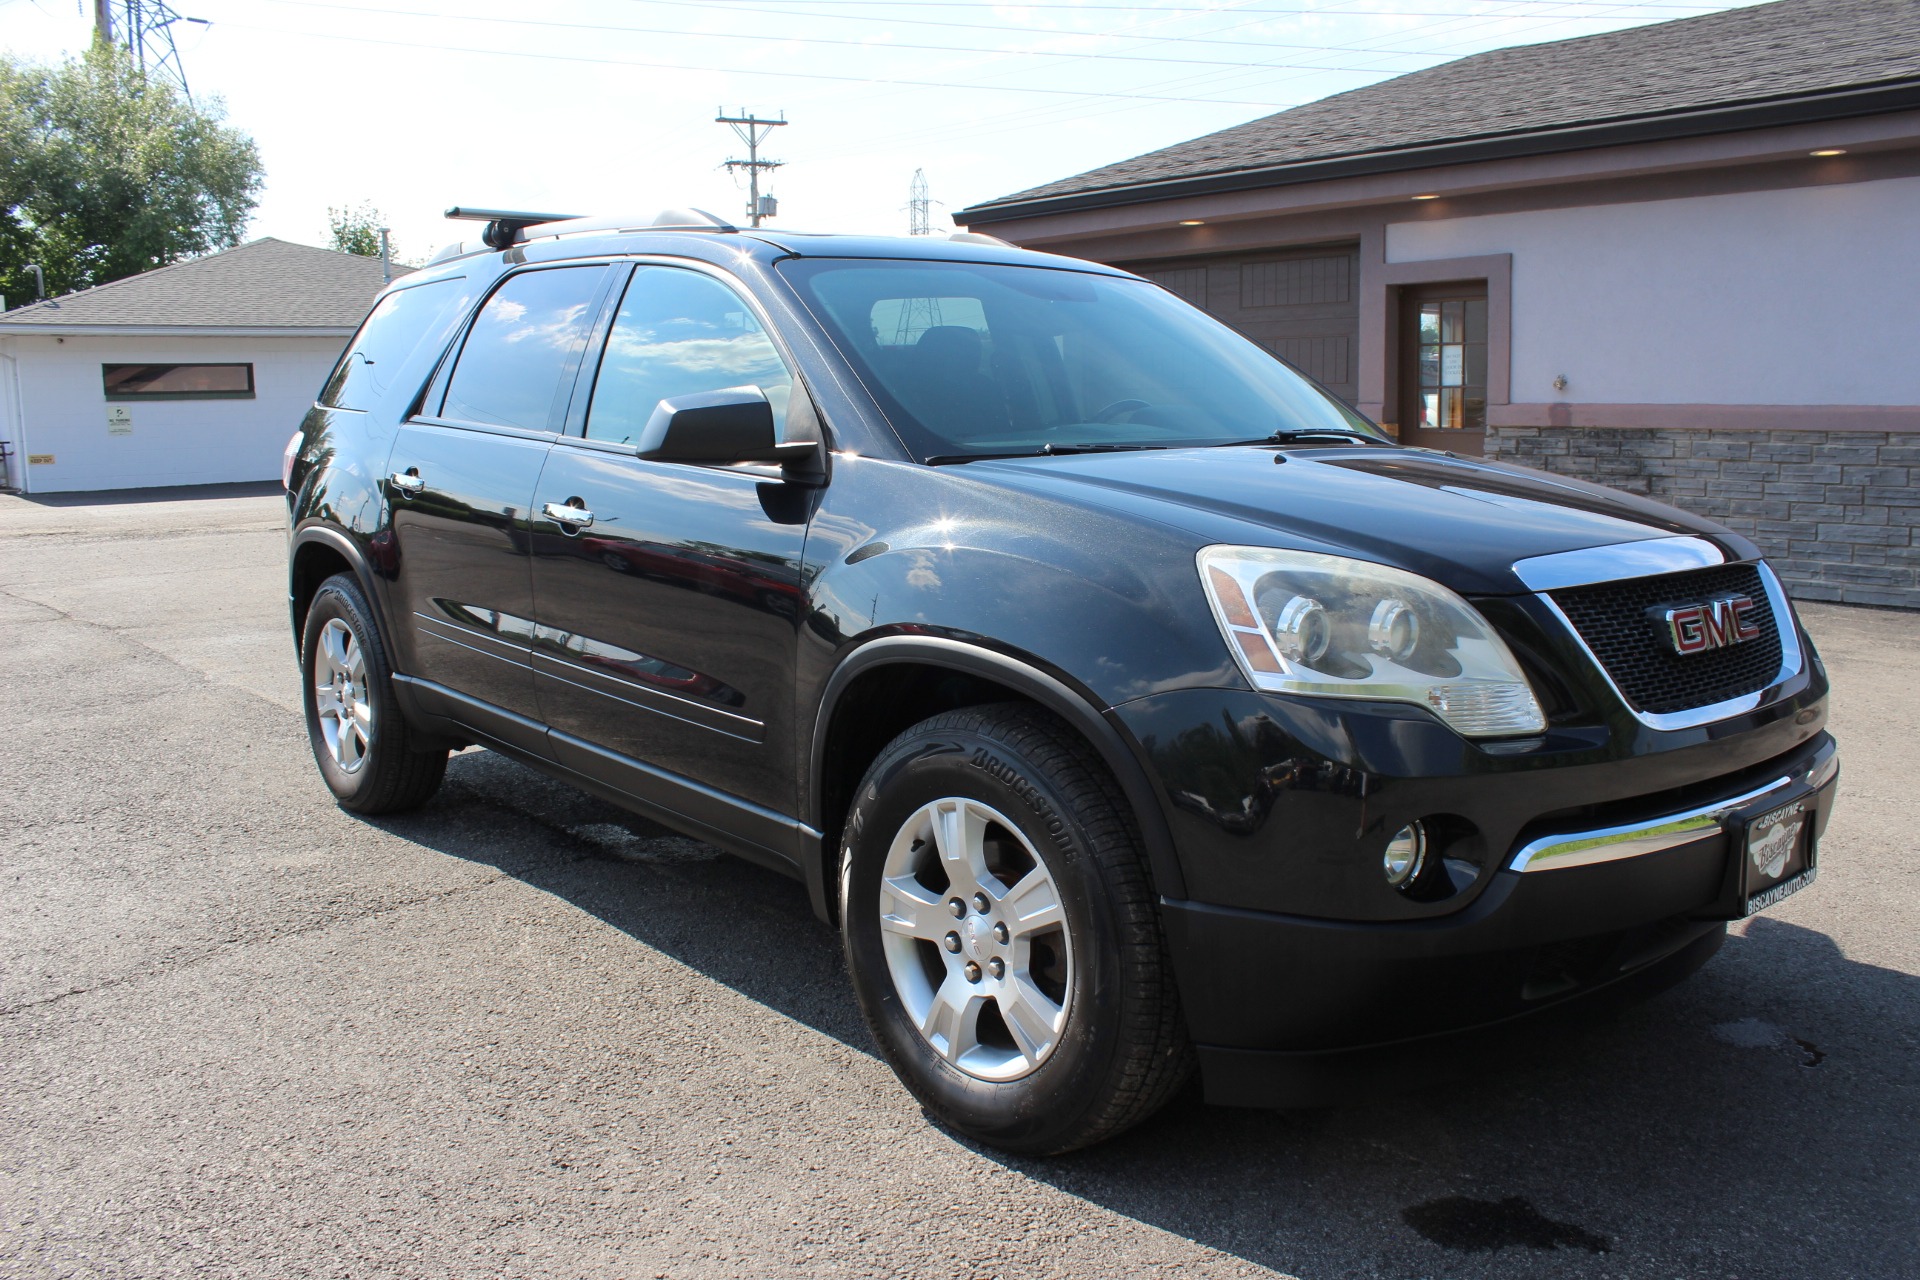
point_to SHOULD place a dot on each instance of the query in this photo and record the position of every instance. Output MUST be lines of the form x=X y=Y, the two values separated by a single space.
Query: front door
x=460 y=485
x=1443 y=367
x=668 y=595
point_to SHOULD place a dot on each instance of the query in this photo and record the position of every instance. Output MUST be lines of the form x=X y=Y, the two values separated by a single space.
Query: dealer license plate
x=1778 y=864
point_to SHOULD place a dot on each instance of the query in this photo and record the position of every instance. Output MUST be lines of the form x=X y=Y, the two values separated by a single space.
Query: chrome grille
x=1612 y=617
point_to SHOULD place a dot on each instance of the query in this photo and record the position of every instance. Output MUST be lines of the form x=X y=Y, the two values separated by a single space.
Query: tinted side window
x=679 y=332
x=401 y=323
x=523 y=340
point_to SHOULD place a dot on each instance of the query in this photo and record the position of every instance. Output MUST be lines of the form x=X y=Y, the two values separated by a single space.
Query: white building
x=194 y=373
x=1681 y=259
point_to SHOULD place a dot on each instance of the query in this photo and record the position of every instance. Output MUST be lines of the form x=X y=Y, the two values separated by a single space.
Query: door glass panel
x=523 y=340
x=404 y=321
x=680 y=332
x=1452 y=364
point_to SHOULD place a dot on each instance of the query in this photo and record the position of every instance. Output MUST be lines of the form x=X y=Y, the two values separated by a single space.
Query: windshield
x=977 y=358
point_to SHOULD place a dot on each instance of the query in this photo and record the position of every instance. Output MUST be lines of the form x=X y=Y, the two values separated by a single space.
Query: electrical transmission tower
x=145 y=27
x=918 y=223
x=753 y=131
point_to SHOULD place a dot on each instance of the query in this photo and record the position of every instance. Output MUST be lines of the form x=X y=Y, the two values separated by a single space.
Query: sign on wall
x=119 y=420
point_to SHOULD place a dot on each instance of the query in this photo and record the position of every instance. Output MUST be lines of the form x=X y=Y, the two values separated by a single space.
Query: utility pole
x=753 y=131
x=103 y=21
x=919 y=222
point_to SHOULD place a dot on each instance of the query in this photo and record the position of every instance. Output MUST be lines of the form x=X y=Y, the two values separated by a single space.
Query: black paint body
x=718 y=647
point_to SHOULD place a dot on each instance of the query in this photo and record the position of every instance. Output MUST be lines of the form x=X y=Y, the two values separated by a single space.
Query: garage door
x=1300 y=304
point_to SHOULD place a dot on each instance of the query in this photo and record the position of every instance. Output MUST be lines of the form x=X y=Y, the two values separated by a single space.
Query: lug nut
x=999 y=932
x=981 y=904
x=953 y=942
x=958 y=908
x=972 y=971
x=997 y=967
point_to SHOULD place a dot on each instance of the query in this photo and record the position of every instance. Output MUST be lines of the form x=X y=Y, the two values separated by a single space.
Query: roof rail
x=981 y=237
x=504 y=225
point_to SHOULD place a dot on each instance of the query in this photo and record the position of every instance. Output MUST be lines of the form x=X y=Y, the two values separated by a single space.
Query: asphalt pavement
x=520 y=1033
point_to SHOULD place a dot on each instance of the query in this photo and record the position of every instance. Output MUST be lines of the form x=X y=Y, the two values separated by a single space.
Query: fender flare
x=335 y=539
x=1076 y=707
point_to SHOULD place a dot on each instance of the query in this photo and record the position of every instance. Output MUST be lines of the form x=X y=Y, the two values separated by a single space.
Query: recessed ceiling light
x=1829 y=151
x=1193 y=222
x=1427 y=197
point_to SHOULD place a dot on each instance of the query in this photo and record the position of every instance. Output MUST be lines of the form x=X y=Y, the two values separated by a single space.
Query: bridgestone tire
x=396 y=774
x=1123 y=1051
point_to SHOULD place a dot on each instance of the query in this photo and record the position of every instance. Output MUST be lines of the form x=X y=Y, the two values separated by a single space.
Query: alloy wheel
x=340 y=698
x=975 y=939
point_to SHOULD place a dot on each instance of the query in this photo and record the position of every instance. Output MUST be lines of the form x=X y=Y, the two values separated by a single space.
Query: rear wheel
x=1003 y=936
x=363 y=747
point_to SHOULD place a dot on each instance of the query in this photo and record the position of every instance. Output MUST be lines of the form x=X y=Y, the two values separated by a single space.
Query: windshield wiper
x=1304 y=433
x=1044 y=451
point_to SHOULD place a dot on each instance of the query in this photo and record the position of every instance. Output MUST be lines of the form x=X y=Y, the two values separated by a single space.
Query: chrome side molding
x=1644 y=559
x=1634 y=839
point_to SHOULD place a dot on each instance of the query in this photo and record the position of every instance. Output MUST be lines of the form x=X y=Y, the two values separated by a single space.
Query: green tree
x=105 y=173
x=357 y=230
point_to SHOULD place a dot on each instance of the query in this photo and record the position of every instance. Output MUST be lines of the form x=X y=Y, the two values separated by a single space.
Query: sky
x=608 y=106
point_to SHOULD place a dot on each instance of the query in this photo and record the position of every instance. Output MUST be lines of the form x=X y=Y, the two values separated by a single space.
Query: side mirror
x=718 y=428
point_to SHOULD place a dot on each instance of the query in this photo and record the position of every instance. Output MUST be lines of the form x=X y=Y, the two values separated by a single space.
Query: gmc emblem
x=1716 y=624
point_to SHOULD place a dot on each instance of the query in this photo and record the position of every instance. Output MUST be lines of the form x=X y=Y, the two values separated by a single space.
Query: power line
x=786 y=75
x=865 y=44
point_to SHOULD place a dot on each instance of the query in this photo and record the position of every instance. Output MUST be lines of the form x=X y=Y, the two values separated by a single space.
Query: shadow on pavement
x=167 y=493
x=1757 y=1120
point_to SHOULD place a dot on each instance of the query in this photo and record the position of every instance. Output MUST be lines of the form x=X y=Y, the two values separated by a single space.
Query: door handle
x=407 y=483
x=575 y=518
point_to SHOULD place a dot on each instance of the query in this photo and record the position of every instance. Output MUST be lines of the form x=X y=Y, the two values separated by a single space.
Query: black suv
x=1129 y=702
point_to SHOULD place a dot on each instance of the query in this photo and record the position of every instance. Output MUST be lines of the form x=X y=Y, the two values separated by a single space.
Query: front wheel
x=363 y=747
x=1003 y=936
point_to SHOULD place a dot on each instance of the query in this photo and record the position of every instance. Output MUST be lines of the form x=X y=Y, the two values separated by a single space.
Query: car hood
x=1461 y=522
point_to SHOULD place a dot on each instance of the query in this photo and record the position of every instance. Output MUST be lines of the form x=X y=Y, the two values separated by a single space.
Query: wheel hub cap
x=339 y=680
x=996 y=1005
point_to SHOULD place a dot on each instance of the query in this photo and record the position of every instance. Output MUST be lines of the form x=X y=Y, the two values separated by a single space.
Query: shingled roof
x=263 y=284
x=1685 y=73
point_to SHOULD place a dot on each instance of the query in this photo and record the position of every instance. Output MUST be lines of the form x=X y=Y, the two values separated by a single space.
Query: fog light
x=1406 y=854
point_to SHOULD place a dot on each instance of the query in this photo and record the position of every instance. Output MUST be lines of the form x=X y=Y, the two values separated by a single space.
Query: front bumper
x=1571 y=898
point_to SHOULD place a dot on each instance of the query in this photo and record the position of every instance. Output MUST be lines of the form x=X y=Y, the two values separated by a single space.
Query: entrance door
x=1443 y=366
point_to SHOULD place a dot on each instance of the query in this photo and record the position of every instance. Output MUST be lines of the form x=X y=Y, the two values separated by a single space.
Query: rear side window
x=525 y=338
x=401 y=323
x=679 y=332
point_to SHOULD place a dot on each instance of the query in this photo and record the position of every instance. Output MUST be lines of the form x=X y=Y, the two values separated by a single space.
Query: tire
x=361 y=742
x=1066 y=1029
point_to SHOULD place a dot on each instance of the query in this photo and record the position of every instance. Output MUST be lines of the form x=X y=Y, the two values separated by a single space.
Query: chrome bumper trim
x=1610 y=844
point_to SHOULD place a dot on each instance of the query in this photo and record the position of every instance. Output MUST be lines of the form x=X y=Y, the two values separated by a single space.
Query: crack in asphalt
x=119 y=633
x=217 y=949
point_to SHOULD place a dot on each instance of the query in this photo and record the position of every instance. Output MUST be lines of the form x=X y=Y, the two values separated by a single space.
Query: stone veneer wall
x=1837 y=513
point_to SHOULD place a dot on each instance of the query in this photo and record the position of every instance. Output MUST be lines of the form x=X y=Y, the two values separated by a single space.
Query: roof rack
x=504 y=226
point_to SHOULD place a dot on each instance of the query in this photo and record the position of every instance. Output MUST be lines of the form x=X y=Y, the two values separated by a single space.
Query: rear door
x=460 y=484
x=668 y=595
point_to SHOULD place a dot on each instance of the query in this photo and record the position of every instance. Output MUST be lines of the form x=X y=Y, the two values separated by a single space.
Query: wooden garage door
x=1301 y=304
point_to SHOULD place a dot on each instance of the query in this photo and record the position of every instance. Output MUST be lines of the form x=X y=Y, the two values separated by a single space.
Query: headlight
x=1299 y=622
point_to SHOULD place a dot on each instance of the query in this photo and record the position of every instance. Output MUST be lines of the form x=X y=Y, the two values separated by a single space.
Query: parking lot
x=243 y=1033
